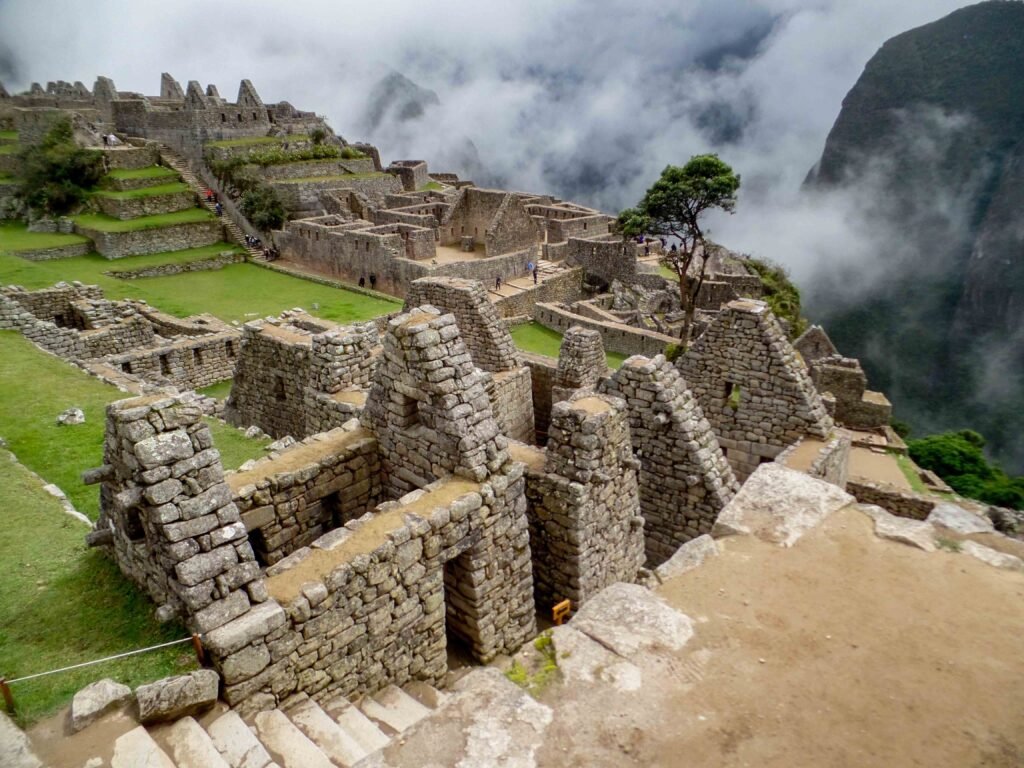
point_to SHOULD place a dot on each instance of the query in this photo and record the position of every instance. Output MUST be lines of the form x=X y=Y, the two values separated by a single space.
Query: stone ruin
x=298 y=375
x=752 y=386
x=842 y=381
x=582 y=363
x=122 y=339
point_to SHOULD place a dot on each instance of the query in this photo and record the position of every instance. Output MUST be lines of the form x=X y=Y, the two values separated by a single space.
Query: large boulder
x=95 y=700
x=70 y=417
x=178 y=696
x=15 y=750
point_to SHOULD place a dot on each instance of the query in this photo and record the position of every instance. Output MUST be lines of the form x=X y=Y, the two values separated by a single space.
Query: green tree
x=263 y=208
x=57 y=173
x=957 y=458
x=674 y=207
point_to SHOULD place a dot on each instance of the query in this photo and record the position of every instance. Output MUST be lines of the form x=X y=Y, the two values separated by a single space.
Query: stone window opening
x=126 y=367
x=733 y=394
x=254 y=117
x=197 y=356
x=279 y=393
x=165 y=365
x=223 y=117
x=229 y=347
x=133 y=525
x=239 y=117
x=457 y=629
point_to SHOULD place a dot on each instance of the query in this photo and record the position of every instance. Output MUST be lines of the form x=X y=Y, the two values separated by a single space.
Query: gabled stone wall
x=581 y=363
x=752 y=386
x=684 y=478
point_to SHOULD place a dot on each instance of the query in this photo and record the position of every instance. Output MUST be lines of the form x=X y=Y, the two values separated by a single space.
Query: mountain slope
x=933 y=135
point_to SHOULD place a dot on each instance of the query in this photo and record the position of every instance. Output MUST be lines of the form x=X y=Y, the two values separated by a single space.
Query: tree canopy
x=957 y=458
x=57 y=172
x=673 y=207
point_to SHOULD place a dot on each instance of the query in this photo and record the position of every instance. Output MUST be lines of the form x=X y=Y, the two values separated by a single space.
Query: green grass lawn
x=150 y=172
x=9 y=148
x=431 y=186
x=105 y=223
x=338 y=177
x=6 y=136
x=16 y=237
x=240 y=292
x=62 y=603
x=668 y=273
x=28 y=420
x=220 y=390
x=159 y=189
x=536 y=338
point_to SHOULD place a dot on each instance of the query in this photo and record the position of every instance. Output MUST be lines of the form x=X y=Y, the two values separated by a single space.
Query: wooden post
x=197 y=646
x=8 y=696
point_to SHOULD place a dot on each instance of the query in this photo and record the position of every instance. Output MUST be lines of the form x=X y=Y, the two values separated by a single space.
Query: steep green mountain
x=930 y=141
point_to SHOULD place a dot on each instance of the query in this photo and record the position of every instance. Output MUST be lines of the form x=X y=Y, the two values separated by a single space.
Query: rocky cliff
x=932 y=134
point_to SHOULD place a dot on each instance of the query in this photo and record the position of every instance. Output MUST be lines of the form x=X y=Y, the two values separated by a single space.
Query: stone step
x=191 y=746
x=333 y=741
x=237 y=743
x=136 y=749
x=426 y=694
x=394 y=708
x=357 y=725
x=287 y=744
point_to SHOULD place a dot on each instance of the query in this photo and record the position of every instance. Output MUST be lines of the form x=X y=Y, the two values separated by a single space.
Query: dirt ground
x=846 y=650
x=877 y=467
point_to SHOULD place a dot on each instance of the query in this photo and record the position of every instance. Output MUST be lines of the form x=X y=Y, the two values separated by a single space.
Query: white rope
x=99 y=661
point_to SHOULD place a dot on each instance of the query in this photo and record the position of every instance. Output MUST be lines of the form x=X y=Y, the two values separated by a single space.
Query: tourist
x=106 y=141
x=219 y=209
x=362 y=282
x=373 y=280
x=535 y=271
x=497 y=283
x=529 y=267
x=209 y=195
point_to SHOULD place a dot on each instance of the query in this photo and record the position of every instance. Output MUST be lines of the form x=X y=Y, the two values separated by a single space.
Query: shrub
x=57 y=172
x=780 y=294
x=262 y=207
x=674 y=351
x=901 y=428
x=351 y=153
x=317 y=136
x=957 y=458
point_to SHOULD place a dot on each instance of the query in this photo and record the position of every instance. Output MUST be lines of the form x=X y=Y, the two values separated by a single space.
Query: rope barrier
x=100 y=661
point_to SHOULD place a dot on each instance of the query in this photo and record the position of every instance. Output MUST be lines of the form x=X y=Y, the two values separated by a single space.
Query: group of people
x=531 y=269
x=253 y=242
x=211 y=197
x=373 y=281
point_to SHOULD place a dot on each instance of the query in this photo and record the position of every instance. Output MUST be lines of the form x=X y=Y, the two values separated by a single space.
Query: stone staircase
x=183 y=169
x=304 y=734
x=550 y=268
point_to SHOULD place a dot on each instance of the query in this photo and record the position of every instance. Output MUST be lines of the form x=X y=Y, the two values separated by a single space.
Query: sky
x=585 y=99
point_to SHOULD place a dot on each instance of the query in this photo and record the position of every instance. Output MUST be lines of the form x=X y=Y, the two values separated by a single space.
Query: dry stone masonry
x=684 y=477
x=581 y=363
x=752 y=386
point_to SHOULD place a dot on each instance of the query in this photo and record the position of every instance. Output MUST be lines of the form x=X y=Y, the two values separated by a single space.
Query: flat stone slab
x=914 y=533
x=136 y=749
x=178 y=696
x=627 y=618
x=358 y=726
x=332 y=740
x=394 y=708
x=237 y=743
x=192 y=747
x=779 y=505
x=95 y=700
x=958 y=519
x=488 y=722
x=689 y=556
x=581 y=659
x=287 y=744
x=15 y=748
x=993 y=557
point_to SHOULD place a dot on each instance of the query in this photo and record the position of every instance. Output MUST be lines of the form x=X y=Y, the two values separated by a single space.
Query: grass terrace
x=160 y=189
x=220 y=390
x=62 y=603
x=6 y=136
x=104 y=223
x=9 y=148
x=240 y=292
x=15 y=237
x=59 y=454
x=248 y=141
x=151 y=172
x=541 y=340
x=431 y=186
x=339 y=177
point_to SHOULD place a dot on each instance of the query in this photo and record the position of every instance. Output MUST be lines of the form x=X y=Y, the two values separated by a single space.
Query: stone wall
x=163 y=270
x=752 y=386
x=685 y=480
x=190 y=363
x=168 y=515
x=586 y=531
x=814 y=344
x=562 y=288
x=617 y=337
x=512 y=228
x=542 y=378
x=856 y=407
x=581 y=363
x=147 y=205
x=129 y=158
x=290 y=499
x=897 y=501
x=59 y=252
x=511 y=396
x=176 y=237
x=304 y=195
